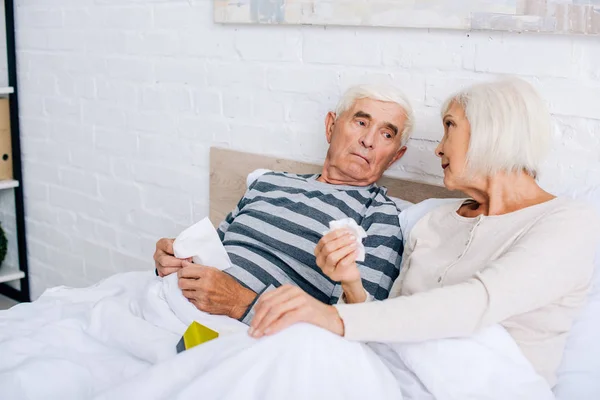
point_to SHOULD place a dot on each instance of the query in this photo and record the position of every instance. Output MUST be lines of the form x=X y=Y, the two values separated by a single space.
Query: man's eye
x=387 y=135
x=362 y=123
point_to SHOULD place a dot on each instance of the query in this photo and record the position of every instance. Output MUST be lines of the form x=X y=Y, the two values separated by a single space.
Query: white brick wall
x=121 y=100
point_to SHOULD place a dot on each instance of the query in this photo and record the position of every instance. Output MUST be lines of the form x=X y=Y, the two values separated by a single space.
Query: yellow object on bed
x=194 y=335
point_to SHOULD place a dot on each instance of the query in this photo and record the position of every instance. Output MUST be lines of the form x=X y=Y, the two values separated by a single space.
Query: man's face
x=364 y=141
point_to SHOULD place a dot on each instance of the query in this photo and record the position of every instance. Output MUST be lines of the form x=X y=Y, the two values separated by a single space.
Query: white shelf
x=8 y=184
x=10 y=274
x=6 y=90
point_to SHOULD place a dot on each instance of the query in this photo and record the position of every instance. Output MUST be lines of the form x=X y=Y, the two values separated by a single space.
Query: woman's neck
x=506 y=192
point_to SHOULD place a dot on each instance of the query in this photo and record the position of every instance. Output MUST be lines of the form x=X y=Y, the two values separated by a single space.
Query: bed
x=73 y=331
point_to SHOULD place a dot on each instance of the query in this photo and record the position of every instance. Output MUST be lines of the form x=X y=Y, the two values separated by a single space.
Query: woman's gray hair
x=380 y=93
x=511 y=127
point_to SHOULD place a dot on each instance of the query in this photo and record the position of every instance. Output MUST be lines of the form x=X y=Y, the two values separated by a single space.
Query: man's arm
x=551 y=260
x=214 y=291
x=383 y=254
x=248 y=315
x=224 y=225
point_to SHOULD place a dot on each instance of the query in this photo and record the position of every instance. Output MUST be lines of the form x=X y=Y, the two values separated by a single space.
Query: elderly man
x=272 y=234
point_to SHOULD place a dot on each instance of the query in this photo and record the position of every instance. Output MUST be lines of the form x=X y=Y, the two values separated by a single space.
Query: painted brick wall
x=121 y=100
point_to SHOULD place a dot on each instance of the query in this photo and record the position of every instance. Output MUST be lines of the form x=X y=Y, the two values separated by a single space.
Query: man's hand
x=289 y=305
x=164 y=260
x=213 y=291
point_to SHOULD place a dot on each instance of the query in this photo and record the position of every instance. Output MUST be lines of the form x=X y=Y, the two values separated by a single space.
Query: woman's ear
x=329 y=125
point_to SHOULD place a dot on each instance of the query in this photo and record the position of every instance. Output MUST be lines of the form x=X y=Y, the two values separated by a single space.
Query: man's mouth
x=363 y=157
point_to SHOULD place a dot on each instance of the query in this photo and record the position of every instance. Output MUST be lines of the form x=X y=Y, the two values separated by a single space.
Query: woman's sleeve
x=554 y=258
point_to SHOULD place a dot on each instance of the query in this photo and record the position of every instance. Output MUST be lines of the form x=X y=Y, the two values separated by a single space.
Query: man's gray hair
x=380 y=93
x=511 y=127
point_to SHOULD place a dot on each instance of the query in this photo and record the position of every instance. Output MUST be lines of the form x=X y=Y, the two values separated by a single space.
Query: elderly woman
x=511 y=253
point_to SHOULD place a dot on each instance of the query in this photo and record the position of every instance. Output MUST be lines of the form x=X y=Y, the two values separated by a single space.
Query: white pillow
x=254 y=175
x=409 y=216
x=401 y=203
x=579 y=372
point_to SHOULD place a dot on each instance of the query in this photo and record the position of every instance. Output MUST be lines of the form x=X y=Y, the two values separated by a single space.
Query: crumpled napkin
x=201 y=242
x=358 y=231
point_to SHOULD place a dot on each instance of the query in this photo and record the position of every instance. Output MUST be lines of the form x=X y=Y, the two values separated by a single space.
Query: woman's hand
x=336 y=256
x=288 y=305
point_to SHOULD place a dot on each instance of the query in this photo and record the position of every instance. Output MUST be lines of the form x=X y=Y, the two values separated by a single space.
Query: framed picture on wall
x=549 y=16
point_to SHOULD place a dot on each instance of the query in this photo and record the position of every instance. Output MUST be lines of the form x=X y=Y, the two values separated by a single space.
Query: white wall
x=121 y=100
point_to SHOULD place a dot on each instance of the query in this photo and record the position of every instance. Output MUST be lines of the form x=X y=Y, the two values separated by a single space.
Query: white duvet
x=116 y=340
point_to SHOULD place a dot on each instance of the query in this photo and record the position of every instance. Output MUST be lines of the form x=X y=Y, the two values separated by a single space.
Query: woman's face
x=453 y=148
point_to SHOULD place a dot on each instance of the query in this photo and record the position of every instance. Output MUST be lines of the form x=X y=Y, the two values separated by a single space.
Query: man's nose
x=368 y=139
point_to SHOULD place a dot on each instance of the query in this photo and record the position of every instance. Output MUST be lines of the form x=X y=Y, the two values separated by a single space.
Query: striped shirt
x=272 y=233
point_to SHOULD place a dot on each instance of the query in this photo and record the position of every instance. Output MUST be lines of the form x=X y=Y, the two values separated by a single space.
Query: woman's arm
x=554 y=258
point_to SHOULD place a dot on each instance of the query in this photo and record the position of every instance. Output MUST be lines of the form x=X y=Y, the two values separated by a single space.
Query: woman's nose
x=438 y=151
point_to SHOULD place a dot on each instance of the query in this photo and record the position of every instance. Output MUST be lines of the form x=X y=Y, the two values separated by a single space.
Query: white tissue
x=358 y=231
x=201 y=242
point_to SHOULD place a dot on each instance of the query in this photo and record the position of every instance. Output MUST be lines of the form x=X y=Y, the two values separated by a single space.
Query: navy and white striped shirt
x=272 y=234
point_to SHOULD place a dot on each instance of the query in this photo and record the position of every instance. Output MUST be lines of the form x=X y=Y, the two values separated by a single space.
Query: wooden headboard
x=229 y=170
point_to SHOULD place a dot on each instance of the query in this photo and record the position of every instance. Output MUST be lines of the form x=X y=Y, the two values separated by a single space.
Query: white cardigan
x=528 y=270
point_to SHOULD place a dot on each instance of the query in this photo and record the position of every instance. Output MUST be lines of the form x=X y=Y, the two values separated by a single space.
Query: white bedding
x=116 y=340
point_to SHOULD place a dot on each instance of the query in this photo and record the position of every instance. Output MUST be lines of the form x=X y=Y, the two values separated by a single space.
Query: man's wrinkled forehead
x=389 y=114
